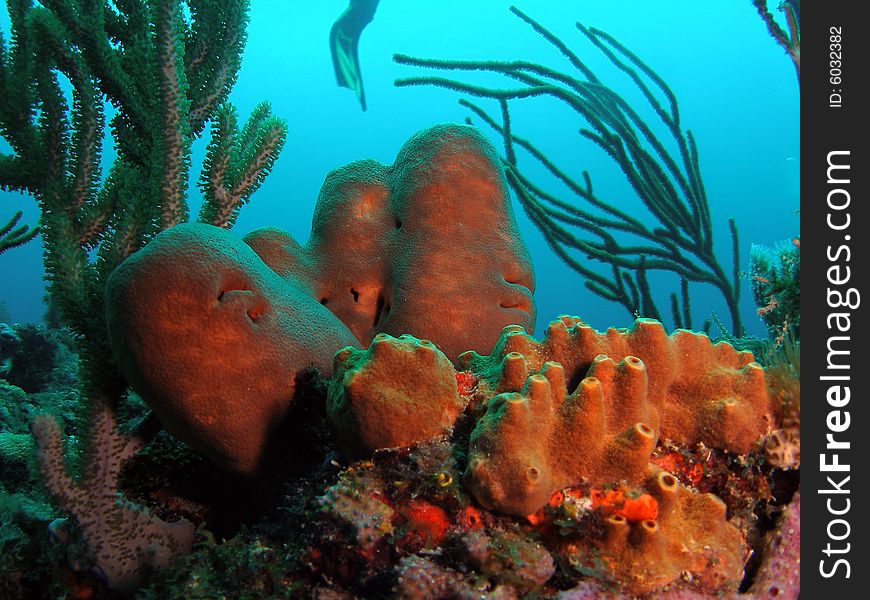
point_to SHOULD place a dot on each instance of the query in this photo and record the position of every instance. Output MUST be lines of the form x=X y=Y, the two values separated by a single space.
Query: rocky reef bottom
x=689 y=521
x=401 y=525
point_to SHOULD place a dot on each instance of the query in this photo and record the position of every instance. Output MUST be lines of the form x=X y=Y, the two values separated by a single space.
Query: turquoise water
x=737 y=91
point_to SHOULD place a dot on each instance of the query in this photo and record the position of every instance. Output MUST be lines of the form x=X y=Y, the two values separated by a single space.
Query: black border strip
x=835 y=262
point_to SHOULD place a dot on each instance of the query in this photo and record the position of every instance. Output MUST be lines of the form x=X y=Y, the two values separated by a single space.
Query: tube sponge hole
x=644 y=429
x=667 y=481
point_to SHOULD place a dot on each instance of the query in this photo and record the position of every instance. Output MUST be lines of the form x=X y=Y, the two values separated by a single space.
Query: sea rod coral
x=166 y=67
x=668 y=183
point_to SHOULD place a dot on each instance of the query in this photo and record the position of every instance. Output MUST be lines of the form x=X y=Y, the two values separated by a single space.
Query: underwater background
x=737 y=92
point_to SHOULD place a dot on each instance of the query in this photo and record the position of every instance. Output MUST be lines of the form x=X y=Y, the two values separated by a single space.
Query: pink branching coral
x=125 y=541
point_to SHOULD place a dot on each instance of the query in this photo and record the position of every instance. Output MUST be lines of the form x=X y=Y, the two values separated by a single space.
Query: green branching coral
x=166 y=76
x=166 y=68
x=776 y=288
x=237 y=162
x=669 y=184
x=12 y=236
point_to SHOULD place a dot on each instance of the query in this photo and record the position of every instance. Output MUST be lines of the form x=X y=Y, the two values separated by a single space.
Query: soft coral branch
x=789 y=41
x=12 y=236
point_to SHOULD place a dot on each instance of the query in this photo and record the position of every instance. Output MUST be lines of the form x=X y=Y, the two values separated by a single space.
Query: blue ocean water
x=737 y=91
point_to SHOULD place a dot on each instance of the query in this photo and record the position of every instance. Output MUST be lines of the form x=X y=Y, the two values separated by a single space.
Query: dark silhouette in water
x=344 y=40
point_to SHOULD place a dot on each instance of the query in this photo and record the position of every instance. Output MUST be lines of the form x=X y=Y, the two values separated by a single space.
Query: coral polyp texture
x=514 y=560
x=357 y=501
x=125 y=542
x=398 y=392
x=656 y=536
x=700 y=391
x=213 y=340
x=213 y=331
x=428 y=246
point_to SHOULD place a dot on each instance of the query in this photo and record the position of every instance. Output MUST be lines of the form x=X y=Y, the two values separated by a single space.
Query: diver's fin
x=343 y=41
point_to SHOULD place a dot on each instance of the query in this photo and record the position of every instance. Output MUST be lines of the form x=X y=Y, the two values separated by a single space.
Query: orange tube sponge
x=689 y=536
x=697 y=391
x=535 y=438
x=398 y=392
x=530 y=444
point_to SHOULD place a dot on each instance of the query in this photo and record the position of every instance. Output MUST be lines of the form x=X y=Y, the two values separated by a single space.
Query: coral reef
x=17 y=408
x=16 y=453
x=166 y=68
x=627 y=459
x=668 y=183
x=689 y=537
x=199 y=319
x=428 y=246
x=682 y=387
x=132 y=56
x=778 y=577
x=775 y=282
x=776 y=288
x=509 y=557
x=419 y=577
x=16 y=445
x=742 y=481
x=41 y=360
x=396 y=393
x=26 y=554
x=403 y=524
x=640 y=528
x=358 y=500
x=38 y=381
x=10 y=342
x=214 y=340
x=783 y=374
x=32 y=356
